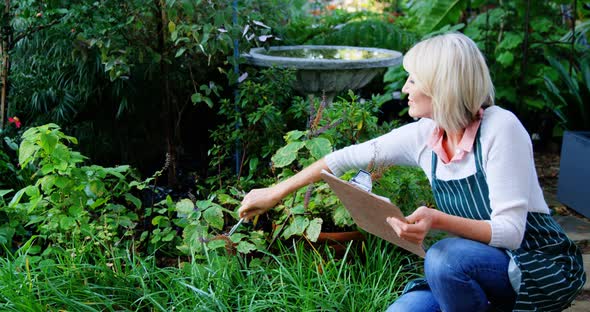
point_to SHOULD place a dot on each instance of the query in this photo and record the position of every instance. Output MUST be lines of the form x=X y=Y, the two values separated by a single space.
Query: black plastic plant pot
x=573 y=186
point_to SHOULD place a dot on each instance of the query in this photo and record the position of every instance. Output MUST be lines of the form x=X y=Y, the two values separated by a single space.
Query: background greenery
x=132 y=129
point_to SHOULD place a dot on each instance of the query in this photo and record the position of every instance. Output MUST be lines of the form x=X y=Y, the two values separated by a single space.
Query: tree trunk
x=6 y=34
x=4 y=95
x=166 y=109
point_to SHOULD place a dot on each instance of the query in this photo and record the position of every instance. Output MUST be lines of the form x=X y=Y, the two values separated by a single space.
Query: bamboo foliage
x=20 y=20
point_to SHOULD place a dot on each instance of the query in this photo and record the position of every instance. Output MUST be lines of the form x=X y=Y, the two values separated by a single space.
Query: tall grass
x=297 y=278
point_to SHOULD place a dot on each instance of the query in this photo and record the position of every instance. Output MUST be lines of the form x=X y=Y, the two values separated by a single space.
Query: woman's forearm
x=258 y=201
x=306 y=176
x=468 y=228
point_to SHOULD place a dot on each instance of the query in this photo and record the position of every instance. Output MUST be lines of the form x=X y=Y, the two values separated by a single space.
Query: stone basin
x=326 y=69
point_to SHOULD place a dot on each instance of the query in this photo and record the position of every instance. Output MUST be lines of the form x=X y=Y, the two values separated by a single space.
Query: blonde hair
x=452 y=71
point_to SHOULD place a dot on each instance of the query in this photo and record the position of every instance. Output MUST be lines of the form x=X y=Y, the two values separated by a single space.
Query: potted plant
x=571 y=103
x=315 y=211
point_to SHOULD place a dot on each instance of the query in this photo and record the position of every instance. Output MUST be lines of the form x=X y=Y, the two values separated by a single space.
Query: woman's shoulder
x=500 y=122
x=420 y=131
x=496 y=113
x=420 y=127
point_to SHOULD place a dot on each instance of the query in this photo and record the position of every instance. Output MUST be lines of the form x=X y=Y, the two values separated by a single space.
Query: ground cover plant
x=293 y=279
x=134 y=128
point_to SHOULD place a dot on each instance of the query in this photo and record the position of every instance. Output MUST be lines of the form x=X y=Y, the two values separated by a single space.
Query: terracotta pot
x=340 y=237
x=338 y=241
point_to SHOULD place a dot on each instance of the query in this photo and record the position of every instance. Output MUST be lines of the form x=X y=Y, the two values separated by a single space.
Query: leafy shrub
x=345 y=122
x=251 y=129
x=407 y=187
x=67 y=202
x=569 y=94
x=205 y=220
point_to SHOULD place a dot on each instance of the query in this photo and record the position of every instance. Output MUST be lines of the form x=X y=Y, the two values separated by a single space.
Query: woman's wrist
x=436 y=217
x=280 y=191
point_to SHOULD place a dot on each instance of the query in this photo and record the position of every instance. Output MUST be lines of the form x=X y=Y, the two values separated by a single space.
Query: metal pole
x=236 y=94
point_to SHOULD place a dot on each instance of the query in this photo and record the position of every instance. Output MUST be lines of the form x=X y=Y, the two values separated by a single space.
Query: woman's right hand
x=258 y=201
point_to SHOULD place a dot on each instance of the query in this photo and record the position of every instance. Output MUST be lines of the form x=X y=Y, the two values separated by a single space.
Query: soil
x=547 y=164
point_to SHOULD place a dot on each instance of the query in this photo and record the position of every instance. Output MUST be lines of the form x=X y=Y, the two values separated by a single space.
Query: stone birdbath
x=324 y=69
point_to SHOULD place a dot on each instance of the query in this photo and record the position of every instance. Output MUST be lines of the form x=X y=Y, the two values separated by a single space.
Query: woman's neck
x=451 y=140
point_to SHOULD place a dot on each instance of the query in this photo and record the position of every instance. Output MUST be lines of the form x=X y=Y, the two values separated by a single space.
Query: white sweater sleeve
x=509 y=173
x=399 y=147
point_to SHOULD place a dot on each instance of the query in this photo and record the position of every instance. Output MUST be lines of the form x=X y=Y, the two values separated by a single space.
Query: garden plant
x=131 y=130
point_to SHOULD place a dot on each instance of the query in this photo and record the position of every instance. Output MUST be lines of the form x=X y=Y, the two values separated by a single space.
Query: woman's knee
x=440 y=257
x=415 y=301
x=450 y=256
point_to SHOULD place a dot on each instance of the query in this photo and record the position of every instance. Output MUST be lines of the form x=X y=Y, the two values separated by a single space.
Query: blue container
x=573 y=186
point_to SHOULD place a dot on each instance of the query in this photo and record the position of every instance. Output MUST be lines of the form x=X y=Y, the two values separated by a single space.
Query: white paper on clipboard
x=370 y=212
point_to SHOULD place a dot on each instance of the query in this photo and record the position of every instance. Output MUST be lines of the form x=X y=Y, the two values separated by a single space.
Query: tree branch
x=31 y=31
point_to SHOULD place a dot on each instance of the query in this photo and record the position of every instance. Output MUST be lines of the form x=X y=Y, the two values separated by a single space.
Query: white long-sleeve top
x=507 y=160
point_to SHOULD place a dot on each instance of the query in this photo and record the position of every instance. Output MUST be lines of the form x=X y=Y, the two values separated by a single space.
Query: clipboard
x=370 y=212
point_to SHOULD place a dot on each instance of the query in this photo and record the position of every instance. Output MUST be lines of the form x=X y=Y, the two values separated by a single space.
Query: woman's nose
x=405 y=88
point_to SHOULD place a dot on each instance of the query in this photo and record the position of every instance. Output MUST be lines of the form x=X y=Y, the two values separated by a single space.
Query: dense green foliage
x=293 y=280
x=96 y=89
x=515 y=37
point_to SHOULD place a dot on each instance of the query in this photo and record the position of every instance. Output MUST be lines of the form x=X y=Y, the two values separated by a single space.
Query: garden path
x=575 y=225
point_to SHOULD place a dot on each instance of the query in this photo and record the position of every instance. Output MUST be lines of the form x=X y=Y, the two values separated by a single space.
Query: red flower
x=15 y=121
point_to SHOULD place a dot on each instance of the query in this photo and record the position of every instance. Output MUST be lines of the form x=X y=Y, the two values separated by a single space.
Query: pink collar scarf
x=465 y=146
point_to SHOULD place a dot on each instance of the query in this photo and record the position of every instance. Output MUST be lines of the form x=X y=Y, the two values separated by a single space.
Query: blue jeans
x=463 y=275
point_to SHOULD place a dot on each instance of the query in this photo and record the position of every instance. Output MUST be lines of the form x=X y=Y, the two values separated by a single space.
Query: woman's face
x=420 y=104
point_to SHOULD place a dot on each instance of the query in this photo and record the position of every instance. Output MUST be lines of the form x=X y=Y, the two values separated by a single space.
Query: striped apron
x=548 y=264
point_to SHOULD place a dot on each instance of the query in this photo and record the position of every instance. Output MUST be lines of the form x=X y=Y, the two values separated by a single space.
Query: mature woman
x=507 y=251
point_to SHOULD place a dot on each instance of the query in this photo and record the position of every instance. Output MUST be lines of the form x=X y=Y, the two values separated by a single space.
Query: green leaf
x=17 y=197
x=510 y=41
x=225 y=199
x=342 y=216
x=246 y=247
x=161 y=221
x=66 y=223
x=169 y=237
x=143 y=236
x=505 y=58
x=286 y=154
x=313 y=230
x=437 y=13
x=216 y=244
x=6 y=234
x=214 y=216
x=237 y=237
x=319 y=147
x=134 y=200
x=208 y=101
x=48 y=141
x=10 y=142
x=396 y=75
x=203 y=204
x=180 y=52
x=185 y=206
x=196 y=98
x=299 y=225
x=4 y=192
x=253 y=164
x=26 y=152
x=76 y=211
x=298 y=210
x=294 y=135
x=194 y=236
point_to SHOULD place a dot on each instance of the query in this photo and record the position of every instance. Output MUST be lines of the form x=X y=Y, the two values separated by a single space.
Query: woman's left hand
x=417 y=226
